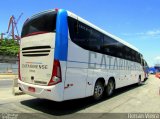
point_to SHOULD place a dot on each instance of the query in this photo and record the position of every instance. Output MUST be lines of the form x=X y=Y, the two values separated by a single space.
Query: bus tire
x=98 y=90
x=110 y=87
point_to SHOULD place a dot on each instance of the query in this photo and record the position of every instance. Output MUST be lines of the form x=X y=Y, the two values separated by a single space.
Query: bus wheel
x=98 y=90
x=110 y=87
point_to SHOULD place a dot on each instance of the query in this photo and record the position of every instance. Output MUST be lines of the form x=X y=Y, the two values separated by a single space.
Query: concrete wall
x=8 y=59
x=8 y=64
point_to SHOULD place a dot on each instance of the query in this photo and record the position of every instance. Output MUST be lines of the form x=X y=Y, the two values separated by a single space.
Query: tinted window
x=138 y=59
x=110 y=46
x=120 y=50
x=85 y=36
x=93 y=40
x=78 y=35
x=45 y=22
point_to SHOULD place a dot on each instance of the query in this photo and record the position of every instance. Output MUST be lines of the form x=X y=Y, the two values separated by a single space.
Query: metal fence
x=9 y=68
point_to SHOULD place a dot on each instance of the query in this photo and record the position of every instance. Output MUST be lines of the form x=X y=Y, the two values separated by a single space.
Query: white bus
x=63 y=57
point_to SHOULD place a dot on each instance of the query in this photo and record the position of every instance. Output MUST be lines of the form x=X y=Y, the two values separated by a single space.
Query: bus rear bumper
x=53 y=93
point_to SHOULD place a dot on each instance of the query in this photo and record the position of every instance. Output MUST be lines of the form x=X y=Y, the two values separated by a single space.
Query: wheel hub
x=98 y=90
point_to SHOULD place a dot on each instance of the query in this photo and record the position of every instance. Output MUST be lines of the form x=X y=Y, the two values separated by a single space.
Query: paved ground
x=131 y=99
x=6 y=83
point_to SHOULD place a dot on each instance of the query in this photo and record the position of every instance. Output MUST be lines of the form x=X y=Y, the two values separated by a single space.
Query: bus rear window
x=41 y=23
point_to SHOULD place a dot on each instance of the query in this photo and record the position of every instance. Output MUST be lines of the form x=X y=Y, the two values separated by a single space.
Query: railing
x=8 y=68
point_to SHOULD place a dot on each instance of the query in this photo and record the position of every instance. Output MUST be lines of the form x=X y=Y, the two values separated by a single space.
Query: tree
x=9 y=47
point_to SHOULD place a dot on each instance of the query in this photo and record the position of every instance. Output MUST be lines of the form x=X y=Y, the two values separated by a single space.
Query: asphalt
x=6 y=83
x=144 y=99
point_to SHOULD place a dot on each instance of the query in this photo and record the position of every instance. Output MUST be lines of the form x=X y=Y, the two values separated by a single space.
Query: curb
x=9 y=76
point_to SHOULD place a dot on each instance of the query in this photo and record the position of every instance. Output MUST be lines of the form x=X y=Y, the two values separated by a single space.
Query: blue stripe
x=61 y=43
x=94 y=63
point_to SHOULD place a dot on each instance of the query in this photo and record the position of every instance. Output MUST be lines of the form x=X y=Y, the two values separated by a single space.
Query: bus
x=64 y=57
x=146 y=69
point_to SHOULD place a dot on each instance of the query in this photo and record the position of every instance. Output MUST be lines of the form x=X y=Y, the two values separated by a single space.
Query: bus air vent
x=36 y=51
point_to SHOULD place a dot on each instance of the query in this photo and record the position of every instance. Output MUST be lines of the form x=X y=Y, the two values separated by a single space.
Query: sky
x=135 y=21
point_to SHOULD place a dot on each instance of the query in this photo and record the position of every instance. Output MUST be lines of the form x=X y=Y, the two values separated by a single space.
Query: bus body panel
x=37 y=69
x=85 y=67
x=54 y=92
x=76 y=73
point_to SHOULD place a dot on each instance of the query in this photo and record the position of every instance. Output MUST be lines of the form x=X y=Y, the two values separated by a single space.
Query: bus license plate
x=31 y=89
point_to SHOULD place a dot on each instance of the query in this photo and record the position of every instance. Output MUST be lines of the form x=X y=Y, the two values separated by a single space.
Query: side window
x=81 y=36
x=138 y=57
x=85 y=36
x=133 y=54
x=71 y=25
x=91 y=39
x=143 y=63
x=128 y=53
x=79 y=32
x=106 y=45
x=109 y=46
x=95 y=40
x=120 y=50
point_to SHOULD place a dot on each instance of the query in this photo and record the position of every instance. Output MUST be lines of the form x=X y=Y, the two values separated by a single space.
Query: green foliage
x=9 y=47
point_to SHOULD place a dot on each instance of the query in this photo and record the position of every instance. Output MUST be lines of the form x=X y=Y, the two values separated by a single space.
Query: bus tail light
x=19 y=75
x=56 y=73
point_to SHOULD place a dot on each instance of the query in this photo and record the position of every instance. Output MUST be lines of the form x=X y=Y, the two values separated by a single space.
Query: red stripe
x=35 y=33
